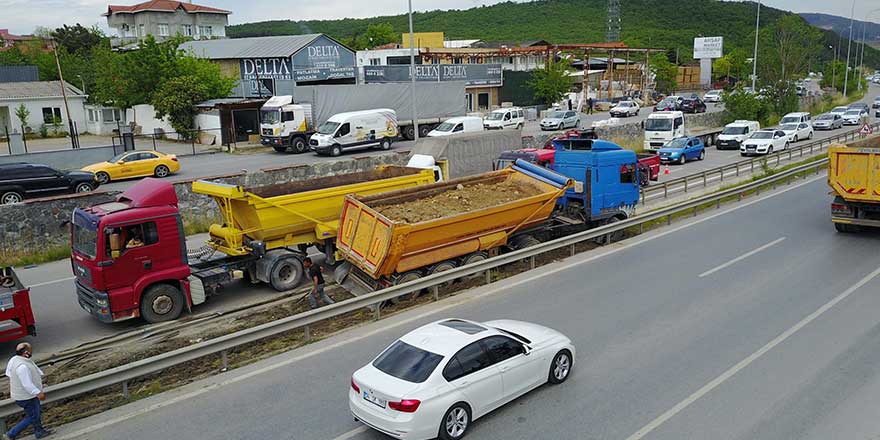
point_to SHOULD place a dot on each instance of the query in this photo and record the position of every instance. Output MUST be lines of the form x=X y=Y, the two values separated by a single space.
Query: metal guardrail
x=222 y=344
x=685 y=183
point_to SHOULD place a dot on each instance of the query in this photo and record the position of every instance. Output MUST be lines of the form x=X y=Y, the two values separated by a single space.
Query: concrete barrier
x=469 y=153
x=36 y=224
x=67 y=159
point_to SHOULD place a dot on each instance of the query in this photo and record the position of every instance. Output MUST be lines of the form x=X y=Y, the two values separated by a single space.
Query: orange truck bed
x=854 y=177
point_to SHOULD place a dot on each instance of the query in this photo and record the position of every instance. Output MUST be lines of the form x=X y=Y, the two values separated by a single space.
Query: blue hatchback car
x=682 y=150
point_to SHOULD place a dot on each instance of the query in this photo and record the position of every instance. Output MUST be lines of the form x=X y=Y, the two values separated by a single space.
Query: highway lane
x=650 y=332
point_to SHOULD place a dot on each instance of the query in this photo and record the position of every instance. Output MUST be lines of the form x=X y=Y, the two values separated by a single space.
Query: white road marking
x=46 y=283
x=751 y=358
x=452 y=302
x=353 y=433
x=741 y=257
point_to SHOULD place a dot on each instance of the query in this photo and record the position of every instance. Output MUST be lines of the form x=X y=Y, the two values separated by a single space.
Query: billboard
x=472 y=74
x=708 y=47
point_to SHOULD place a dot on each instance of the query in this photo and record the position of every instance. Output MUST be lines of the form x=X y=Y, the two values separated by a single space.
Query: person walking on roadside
x=590 y=106
x=26 y=388
x=317 y=284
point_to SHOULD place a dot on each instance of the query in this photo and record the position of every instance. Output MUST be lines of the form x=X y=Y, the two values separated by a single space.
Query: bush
x=44 y=131
x=741 y=105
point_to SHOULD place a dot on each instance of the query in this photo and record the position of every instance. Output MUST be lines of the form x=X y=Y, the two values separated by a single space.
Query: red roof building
x=164 y=19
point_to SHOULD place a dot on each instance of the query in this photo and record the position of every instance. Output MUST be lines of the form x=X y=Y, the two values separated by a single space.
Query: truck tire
x=408 y=132
x=523 y=241
x=335 y=150
x=280 y=149
x=424 y=129
x=299 y=145
x=160 y=303
x=442 y=266
x=405 y=278
x=286 y=273
x=473 y=258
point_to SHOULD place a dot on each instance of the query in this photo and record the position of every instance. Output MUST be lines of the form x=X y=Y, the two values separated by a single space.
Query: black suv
x=20 y=180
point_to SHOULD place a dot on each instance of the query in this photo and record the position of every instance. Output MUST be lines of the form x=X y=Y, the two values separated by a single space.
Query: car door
x=43 y=179
x=803 y=130
x=343 y=134
x=127 y=166
x=473 y=373
x=519 y=372
x=146 y=163
x=779 y=140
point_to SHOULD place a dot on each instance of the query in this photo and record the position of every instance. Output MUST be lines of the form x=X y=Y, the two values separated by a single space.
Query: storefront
x=482 y=81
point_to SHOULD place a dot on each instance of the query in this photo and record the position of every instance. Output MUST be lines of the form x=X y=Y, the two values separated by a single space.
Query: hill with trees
x=666 y=24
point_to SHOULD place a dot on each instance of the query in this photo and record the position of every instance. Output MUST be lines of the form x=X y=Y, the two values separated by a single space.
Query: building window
x=469 y=102
x=474 y=60
x=142 y=31
x=110 y=115
x=51 y=115
x=205 y=31
x=163 y=29
x=375 y=61
x=91 y=116
x=187 y=30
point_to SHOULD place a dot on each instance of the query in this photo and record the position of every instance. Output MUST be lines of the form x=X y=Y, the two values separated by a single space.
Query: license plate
x=369 y=397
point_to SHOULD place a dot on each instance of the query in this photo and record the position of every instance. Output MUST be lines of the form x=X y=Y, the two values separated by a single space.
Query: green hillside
x=668 y=24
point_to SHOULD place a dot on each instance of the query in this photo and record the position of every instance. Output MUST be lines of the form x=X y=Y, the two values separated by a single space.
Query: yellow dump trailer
x=854 y=177
x=400 y=236
x=287 y=218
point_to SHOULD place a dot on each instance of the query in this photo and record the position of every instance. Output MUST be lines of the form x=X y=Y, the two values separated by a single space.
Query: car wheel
x=299 y=145
x=810 y=136
x=682 y=159
x=560 y=368
x=560 y=126
x=795 y=138
x=161 y=302
x=455 y=422
x=10 y=197
x=577 y=123
x=103 y=178
x=84 y=187
x=785 y=147
x=702 y=155
x=161 y=171
x=519 y=126
x=385 y=144
x=335 y=150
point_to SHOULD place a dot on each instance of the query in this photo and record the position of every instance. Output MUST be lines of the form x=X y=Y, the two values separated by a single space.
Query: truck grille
x=86 y=294
x=268 y=132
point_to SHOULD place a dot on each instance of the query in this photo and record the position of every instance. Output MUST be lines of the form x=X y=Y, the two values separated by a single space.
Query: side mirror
x=115 y=245
x=526 y=349
x=120 y=162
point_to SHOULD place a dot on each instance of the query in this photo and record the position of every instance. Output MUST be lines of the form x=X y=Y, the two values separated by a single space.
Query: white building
x=384 y=57
x=44 y=101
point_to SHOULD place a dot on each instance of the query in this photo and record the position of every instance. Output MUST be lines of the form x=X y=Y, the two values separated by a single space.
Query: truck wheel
x=424 y=130
x=335 y=150
x=405 y=278
x=442 y=266
x=299 y=145
x=523 y=241
x=286 y=274
x=614 y=236
x=408 y=132
x=473 y=258
x=160 y=303
x=385 y=144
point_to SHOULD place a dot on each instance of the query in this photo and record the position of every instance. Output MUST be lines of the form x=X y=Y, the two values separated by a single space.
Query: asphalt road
x=757 y=322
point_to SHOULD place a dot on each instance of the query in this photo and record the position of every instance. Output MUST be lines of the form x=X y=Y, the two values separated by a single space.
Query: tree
x=22 y=113
x=176 y=99
x=380 y=34
x=664 y=72
x=550 y=83
x=741 y=105
x=788 y=47
x=78 y=39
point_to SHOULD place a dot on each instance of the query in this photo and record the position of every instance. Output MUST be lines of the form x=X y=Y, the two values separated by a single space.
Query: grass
x=25 y=257
x=827 y=103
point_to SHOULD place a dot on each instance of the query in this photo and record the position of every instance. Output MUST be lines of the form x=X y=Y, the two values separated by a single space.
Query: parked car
x=669 y=103
x=764 y=142
x=735 y=133
x=560 y=119
x=682 y=150
x=24 y=180
x=624 y=109
x=828 y=121
x=439 y=378
x=134 y=164
x=876 y=103
x=854 y=115
x=797 y=132
x=511 y=117
x=796 y=118
x=693 y=105
x=839 y=110
x=712 y=96
x=461 y=124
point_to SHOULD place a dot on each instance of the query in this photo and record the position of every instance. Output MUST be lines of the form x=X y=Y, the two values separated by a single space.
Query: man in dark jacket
x=317 y=278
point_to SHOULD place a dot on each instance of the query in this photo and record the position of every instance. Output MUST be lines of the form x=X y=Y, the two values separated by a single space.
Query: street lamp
x=755 y=55
x=833 y=68
x=852 y=17
x=862 y=61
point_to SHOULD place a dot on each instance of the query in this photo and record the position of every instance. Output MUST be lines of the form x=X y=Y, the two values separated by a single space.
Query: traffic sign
x=866 y=129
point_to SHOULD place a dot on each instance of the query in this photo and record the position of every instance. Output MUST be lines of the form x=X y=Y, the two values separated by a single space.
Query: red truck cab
x=129 y=256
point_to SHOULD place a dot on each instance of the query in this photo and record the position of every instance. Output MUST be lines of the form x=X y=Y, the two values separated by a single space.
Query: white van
x=362 y=129
x=796 y=118
x=662 y=127
x=511 y=117
x=462 y=124
x=735 y=133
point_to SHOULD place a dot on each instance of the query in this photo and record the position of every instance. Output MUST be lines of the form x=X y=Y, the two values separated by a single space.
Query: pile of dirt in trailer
x=458 y=200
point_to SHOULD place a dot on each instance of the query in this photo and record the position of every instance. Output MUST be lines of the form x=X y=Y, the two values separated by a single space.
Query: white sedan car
x=437 y=379
x=854 y=115
x=797 y=132
x=764 y=142
x=624 y=109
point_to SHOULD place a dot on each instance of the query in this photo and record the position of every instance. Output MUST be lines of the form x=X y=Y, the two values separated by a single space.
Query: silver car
x=828 y=121
x=560 y=119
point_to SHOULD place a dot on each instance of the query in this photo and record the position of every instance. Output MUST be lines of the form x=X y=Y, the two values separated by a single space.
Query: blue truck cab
x=607 y=181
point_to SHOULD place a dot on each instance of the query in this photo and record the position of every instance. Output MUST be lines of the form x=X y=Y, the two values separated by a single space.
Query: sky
x=23 y=16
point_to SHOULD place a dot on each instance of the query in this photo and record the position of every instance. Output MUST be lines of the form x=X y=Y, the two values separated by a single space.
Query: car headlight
x=101 y=302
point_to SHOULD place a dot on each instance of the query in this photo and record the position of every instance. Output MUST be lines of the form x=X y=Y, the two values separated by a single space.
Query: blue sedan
x=682 y=150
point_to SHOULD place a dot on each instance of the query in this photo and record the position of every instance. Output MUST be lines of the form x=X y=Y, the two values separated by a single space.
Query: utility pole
x=755 y=55
x=848 y=46
x=63 y=93
x=412 y=75
x=859 y=72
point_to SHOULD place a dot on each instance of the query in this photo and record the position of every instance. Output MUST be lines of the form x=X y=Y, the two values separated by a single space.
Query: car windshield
x=655 y=124
x=624 y=104
x=677 y=143
x=406 y=362
x=788 y=127
x=85 y=237
x=556 y=115
x=839 y=109
x=826 y=118
x=446 y=126
x=666 y=102
x=790 y=119
x=763 y=135
x=854 y=111
x=270 y=116
x=116 y=158
x=735 y=130
x=713 y=93
x=328 y=127
x=495 y=116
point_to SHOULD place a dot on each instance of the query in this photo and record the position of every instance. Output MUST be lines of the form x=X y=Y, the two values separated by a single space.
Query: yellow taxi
x=135 y=164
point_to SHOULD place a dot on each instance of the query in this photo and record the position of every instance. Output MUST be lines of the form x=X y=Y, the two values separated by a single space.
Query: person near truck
x=26 y=388
x=590 y=106
x=315 y=274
